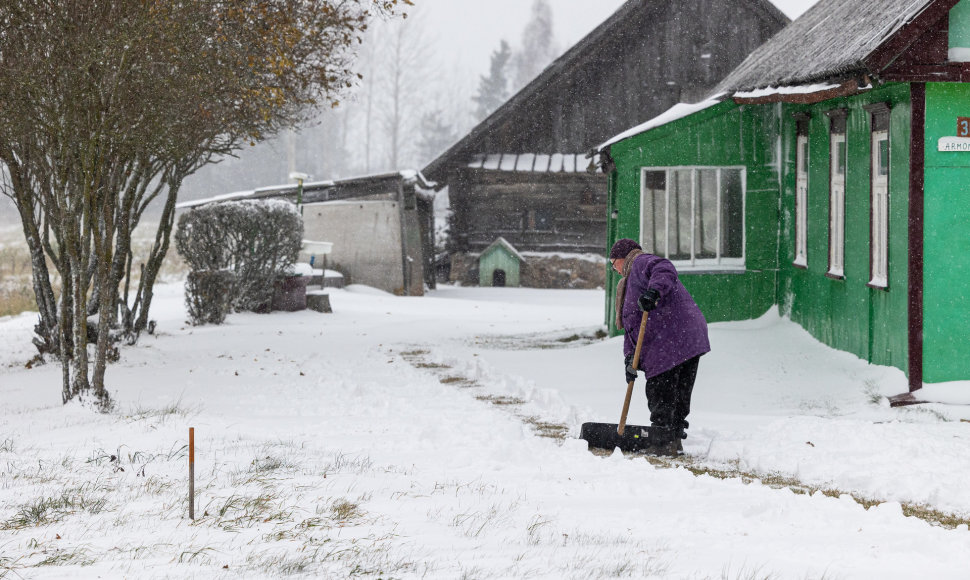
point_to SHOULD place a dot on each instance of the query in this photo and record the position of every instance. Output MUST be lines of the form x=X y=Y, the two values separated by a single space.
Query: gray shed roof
x=833 y=39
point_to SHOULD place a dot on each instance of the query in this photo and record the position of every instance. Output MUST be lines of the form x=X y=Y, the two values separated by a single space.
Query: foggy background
x=422 y=89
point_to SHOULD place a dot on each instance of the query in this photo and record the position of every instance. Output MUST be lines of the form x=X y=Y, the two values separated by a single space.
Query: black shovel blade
x=604 y=436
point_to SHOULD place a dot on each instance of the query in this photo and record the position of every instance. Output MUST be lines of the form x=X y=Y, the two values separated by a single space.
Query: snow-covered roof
x=502 y=242
x=833 y=39
x=678 y=111
x=795 y=90
x=531 y=162
x=408 y=176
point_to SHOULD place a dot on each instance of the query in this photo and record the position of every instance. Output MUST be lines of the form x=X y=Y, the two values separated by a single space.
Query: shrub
x=258 y=240
x=208 y=295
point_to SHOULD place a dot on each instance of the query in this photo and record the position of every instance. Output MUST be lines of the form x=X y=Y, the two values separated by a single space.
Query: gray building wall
x=366 y=238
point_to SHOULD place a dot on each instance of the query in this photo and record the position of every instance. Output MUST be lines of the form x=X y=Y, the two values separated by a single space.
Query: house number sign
x=963 y=126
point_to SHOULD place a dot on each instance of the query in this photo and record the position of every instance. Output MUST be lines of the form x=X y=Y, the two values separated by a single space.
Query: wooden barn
x=522 y=174
x=831 y=177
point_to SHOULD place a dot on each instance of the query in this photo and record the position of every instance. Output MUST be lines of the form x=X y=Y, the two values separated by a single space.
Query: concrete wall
x=366 y=238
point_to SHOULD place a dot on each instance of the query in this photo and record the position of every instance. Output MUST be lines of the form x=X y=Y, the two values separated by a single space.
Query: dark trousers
x=668 y=397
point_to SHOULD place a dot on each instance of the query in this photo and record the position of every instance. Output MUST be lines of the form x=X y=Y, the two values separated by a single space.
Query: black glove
x=648 y=300
x=631 y=373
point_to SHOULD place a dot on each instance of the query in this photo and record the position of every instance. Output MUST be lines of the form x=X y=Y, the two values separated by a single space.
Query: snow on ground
x=397 y=438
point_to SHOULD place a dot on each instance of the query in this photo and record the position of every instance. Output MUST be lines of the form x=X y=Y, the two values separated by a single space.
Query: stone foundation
x=540 y=270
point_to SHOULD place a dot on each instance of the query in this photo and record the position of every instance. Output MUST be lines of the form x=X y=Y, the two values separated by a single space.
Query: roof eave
x=895 y=45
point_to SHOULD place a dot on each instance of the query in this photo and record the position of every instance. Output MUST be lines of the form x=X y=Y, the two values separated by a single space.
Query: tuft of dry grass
x=16 y=300
x=16 y=294
x=501 y=400
x=47 y=510
x=343 y=511
x=550 y=430
x=16 y=289
x=778 y=481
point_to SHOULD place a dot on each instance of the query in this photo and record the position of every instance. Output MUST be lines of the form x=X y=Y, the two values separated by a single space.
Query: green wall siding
x=847 y=314
x=946 y=273
x=959 y=25
x=724 y=135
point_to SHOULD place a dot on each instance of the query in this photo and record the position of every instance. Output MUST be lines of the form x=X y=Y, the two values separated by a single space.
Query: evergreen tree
x=493 y=89
x=436 y=136
x=538 y=45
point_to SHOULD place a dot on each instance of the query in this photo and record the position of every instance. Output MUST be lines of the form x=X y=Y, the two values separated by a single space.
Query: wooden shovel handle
x=629 y=387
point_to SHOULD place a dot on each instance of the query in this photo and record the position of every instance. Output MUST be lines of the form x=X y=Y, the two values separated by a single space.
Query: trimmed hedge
x=208 y=295
x=257 y=240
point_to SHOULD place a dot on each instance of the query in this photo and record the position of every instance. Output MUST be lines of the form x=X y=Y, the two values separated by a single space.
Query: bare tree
x=108 y=105
x=405 y=73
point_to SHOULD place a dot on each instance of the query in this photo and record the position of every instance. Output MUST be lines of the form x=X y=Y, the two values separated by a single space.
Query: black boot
x=663 y=442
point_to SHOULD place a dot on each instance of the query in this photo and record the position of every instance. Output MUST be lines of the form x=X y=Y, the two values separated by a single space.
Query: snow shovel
x=610 y=435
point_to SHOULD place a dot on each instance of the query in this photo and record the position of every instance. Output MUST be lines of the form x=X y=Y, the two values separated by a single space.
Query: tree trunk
x=159 y=249
x=46 y=329
x=107 y=287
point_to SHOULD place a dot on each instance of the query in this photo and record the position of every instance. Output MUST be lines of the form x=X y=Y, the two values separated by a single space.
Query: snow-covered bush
x=208 y=295
x=257 y=240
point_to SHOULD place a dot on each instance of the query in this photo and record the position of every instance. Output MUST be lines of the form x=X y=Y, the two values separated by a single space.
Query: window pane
x=801 y=198
x=840 y=157
x=653 y=215
x=884 y=157
x=732 y=214
x=681 y=190
x=705 y=214
x=879 y=219
x=543 y=220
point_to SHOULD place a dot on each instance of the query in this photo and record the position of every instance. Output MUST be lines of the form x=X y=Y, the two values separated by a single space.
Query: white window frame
x=801 y=201
x=837 y=205
x=879 y=213
x=719 y=262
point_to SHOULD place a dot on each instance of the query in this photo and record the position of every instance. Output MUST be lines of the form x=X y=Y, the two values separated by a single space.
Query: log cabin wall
x=541 y=212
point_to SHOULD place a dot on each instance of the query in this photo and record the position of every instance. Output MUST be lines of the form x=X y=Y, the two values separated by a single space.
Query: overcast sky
x=469 y=30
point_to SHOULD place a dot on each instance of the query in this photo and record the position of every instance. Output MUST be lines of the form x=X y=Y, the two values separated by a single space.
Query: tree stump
x=318 y=301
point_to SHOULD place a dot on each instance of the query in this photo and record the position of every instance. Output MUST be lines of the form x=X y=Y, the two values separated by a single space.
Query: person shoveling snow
x=672 y=337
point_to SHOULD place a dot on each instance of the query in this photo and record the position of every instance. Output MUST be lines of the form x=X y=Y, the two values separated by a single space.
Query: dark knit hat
x=622 y=247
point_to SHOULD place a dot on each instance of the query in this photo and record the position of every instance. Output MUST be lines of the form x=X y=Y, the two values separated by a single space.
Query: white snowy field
x=400 y=438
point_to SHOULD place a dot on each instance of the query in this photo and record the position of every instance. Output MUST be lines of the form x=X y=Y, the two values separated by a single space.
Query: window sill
x=709 y=271
x=800 y=265
x=882 y=287
x=835 y=276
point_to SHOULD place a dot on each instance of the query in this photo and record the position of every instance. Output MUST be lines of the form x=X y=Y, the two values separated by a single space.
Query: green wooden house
x=829 y=175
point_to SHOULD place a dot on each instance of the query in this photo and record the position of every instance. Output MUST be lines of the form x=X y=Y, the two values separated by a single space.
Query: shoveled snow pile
x=401 y=438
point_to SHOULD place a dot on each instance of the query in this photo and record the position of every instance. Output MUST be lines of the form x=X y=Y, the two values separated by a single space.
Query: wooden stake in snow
x=191 y=473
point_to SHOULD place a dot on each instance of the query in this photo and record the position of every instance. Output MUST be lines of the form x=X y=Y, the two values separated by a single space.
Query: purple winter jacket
x=676 y=329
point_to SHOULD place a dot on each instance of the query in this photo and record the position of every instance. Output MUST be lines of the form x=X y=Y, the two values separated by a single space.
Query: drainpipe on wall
x=405 y=270
x=917 y=155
